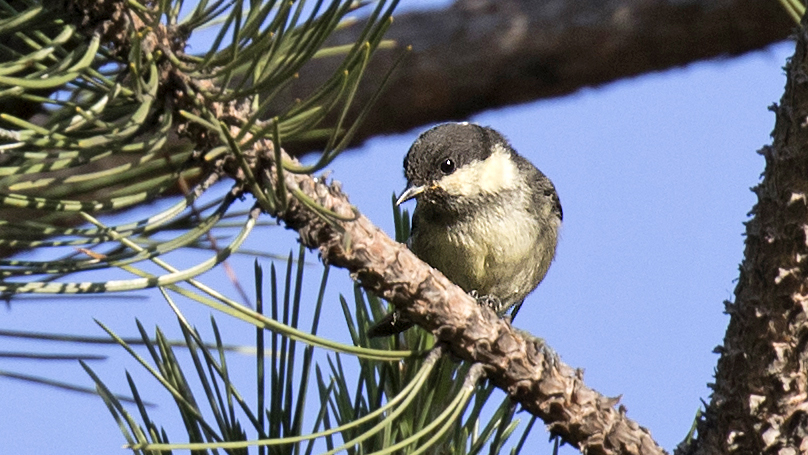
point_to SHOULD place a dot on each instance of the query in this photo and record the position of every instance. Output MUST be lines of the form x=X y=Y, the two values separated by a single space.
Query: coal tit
x=485 y=216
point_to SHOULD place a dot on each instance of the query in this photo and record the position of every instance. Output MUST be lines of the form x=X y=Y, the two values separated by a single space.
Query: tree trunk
x=759 y=399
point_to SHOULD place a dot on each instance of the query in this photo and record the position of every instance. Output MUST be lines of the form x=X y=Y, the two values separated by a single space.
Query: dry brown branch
x=518 y=363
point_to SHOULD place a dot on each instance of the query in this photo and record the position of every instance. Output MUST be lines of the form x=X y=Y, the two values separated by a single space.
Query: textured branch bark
x=484 y=54
x=519 y=364
x=760 y=397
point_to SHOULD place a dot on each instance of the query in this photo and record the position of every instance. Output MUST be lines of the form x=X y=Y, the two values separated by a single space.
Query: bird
x=485 y=216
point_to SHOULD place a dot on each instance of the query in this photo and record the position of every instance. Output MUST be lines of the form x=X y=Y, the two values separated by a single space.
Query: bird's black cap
x=460 y=142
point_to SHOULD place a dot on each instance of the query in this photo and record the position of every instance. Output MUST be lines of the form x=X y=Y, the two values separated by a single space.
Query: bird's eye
x=447 y=166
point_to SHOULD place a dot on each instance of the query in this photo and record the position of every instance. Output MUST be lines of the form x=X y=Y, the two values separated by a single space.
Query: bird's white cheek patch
x=496 y=173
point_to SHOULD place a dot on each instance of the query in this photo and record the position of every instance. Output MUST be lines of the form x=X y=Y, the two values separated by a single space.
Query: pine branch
x=759 y=396
x=521 y=365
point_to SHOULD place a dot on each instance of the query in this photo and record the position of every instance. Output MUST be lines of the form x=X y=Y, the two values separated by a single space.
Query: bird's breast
x=493 y=252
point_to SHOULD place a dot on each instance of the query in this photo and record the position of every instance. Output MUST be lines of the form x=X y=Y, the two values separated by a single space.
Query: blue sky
x=653 y=175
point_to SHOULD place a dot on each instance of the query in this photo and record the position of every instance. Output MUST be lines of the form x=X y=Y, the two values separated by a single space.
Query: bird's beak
x=410 y=193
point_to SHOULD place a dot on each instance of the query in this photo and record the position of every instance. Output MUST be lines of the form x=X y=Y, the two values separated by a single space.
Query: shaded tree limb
x=484 y=54
x=518 y=363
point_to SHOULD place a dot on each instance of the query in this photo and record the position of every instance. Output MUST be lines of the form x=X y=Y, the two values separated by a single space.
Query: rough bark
x=484 y=54
x=521 y=365
x=760 y=397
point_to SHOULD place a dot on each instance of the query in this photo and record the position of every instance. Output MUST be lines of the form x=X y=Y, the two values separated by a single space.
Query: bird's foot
x=497 y=305
x=490 y=301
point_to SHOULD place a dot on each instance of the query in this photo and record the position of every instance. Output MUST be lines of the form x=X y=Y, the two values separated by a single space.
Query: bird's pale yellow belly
x=490 y=256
